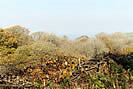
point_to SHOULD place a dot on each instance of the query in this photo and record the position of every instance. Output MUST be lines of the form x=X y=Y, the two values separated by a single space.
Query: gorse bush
x=48 y=60
x=37 y=50
x=21 y=33
x=25 y=46
x=8 y=45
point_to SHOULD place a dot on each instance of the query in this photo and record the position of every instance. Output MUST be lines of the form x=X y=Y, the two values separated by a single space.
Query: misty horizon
x=68 y=17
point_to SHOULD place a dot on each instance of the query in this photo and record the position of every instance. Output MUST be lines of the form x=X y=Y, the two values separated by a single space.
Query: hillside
x=42 y=60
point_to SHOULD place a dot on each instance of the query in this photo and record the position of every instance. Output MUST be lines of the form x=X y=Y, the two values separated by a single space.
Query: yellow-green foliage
x=21 y=33
x=29 y=53
x=127 y=51
x=48 y=57
x=8 y=44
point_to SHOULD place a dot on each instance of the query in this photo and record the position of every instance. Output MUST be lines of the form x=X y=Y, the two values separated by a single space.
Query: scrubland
x=45 y=60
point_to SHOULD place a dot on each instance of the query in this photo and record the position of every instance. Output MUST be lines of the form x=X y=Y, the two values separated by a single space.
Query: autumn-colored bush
x=46 y=59
x=21 y=33
x=127 y=51
x=116 y=42
x=54 y=68
x=8 y=45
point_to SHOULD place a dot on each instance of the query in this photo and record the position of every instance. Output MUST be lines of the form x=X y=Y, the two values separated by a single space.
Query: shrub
x=116 y=42
x=29 y=53
x=21 y=33
x=8 y=44
x=90 y=48
x=53 y=39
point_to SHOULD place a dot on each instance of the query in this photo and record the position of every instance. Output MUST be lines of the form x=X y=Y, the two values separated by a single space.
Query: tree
x=52 y=38
x=21 y=33
x=39 y=35
x=17 y=29
x=8 y=44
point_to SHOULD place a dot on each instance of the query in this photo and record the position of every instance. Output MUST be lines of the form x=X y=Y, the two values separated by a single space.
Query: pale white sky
x=68 y=16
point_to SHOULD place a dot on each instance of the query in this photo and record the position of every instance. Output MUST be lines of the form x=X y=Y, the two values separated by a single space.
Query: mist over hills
x=74 y=36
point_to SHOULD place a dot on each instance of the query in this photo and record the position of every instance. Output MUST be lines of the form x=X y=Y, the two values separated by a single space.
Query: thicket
x=51 y=61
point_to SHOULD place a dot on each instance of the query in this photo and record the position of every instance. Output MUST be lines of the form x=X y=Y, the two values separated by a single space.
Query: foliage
x=90 y=48
x=50 y=84
x=66 y=83
x=42 y=36
x=54 y=68
x=29 y=54
x=38 y=35
x=127 y=51
x=48 y=61
x=21 y=33
x=116 y=42
x=124 y=60
x=8 y=44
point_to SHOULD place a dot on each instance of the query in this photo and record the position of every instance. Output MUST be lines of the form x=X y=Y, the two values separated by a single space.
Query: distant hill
x=75 y=36
x=83 y=38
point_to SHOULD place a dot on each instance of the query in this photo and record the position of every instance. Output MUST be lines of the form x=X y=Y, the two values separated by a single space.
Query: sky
x=70 y=17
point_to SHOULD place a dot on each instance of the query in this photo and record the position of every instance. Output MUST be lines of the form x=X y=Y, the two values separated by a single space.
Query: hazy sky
x=68 y=16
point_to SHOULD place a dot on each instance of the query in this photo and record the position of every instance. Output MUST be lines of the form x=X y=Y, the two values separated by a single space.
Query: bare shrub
x=96 y=47
x=49 y=37
x=39 y=36
x=90 y=48
x=116 y=42
x=52 y=38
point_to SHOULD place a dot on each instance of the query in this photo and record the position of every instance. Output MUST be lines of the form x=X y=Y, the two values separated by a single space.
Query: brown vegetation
x=48 y=60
